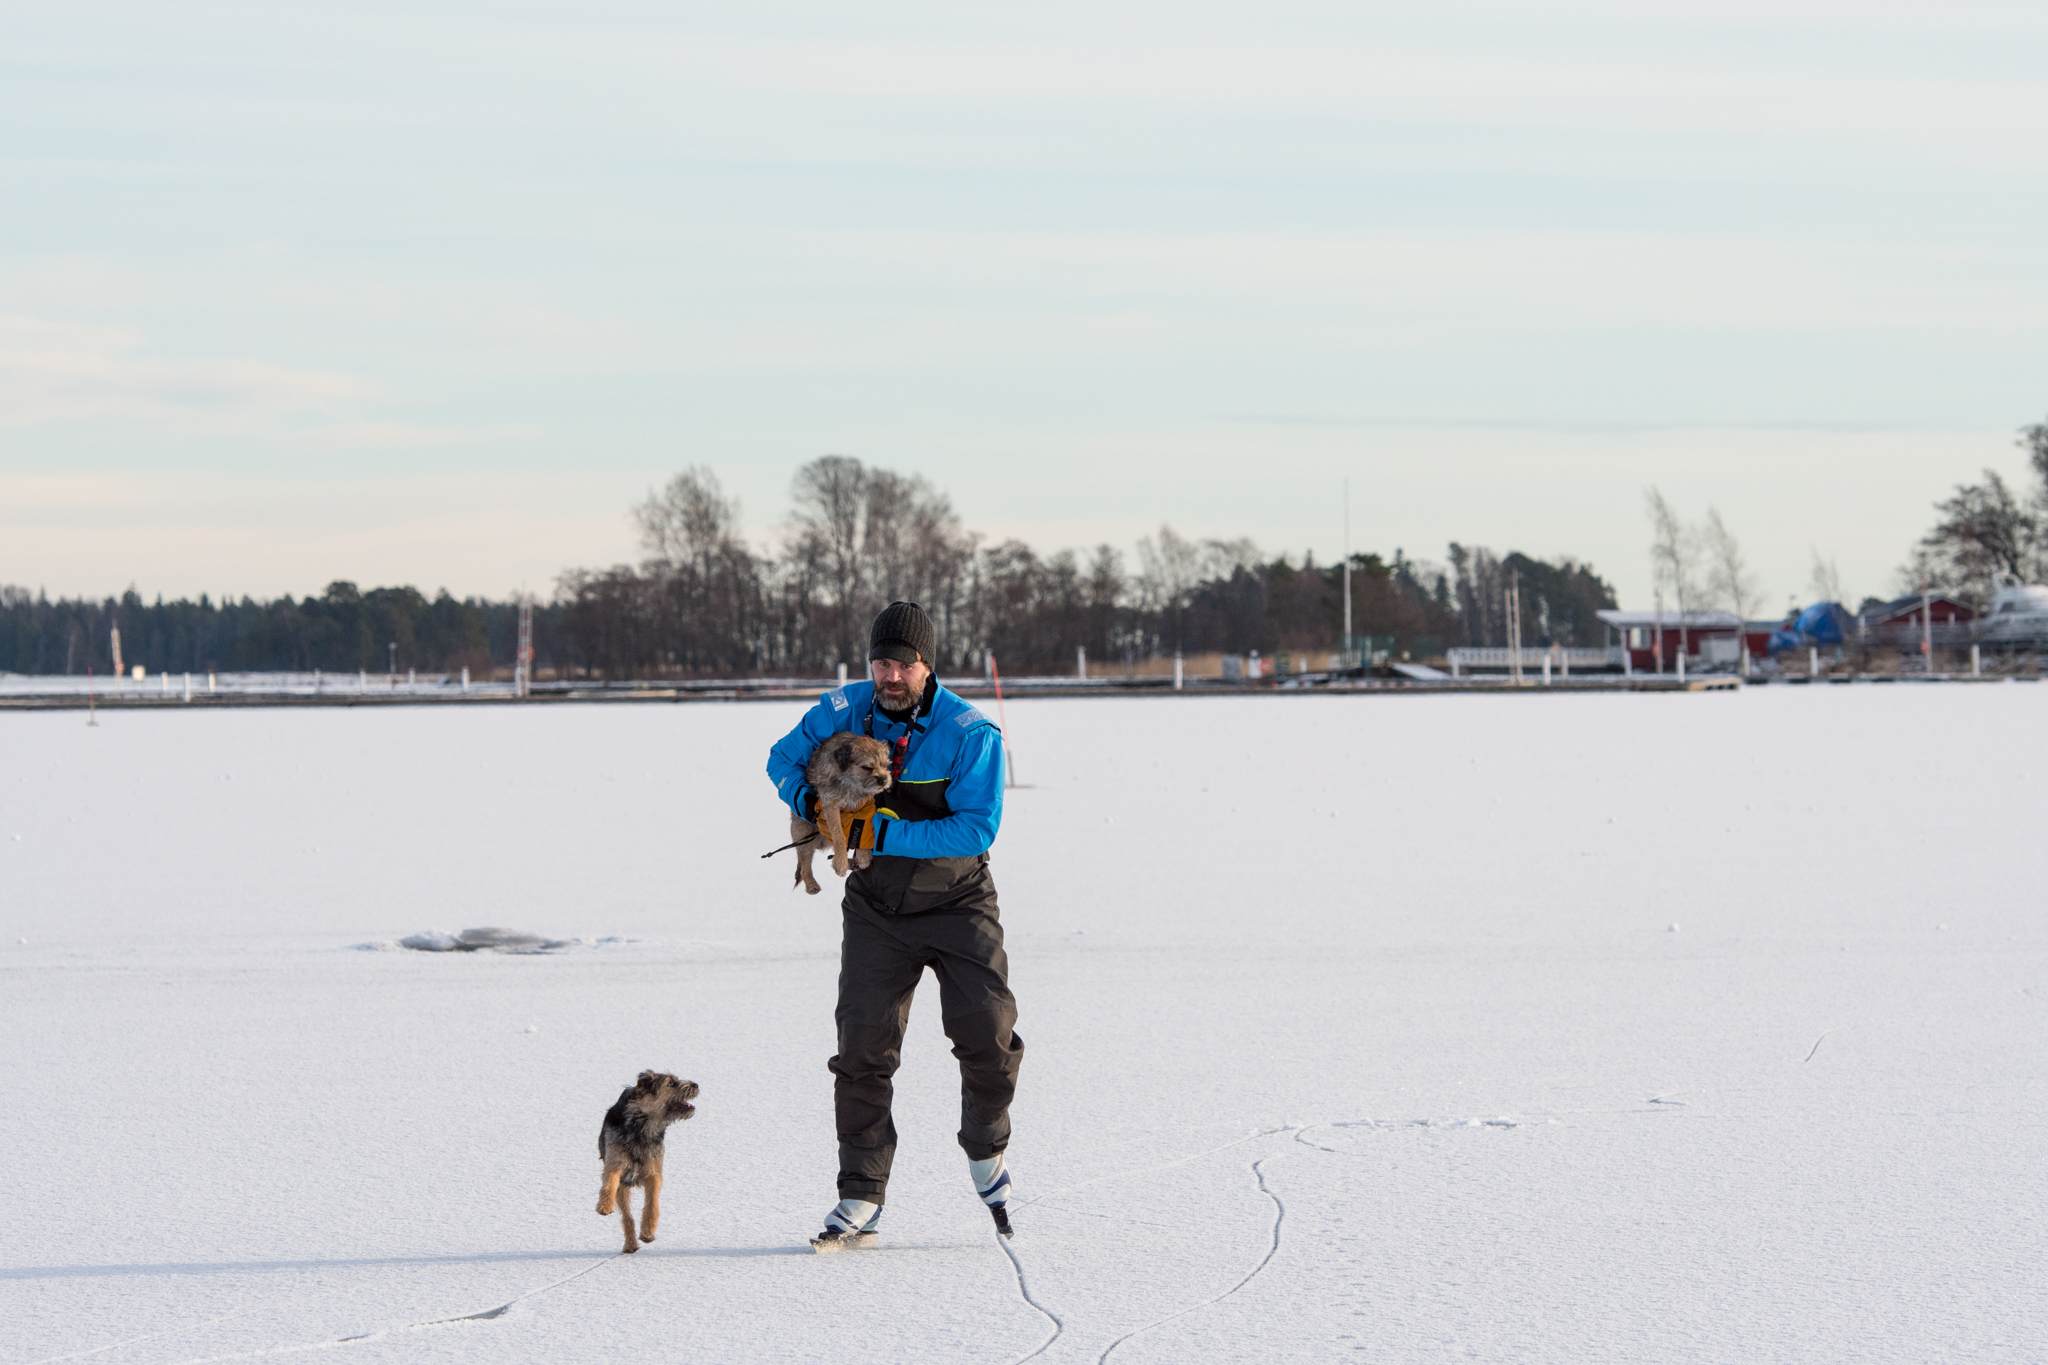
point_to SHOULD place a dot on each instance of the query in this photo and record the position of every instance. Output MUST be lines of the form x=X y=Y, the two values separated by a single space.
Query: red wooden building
x=1705 y=637
x=1908 y=622
x=1904 y=613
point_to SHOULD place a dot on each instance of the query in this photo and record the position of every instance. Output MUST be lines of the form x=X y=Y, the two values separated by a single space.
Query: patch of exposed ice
x=432 y=941
x=485 y=940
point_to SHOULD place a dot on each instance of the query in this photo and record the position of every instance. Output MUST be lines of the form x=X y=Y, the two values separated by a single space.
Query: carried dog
x=847 y=771
x=631 y=1144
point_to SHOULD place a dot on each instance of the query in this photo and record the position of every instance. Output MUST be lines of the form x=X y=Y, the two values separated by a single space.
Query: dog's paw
x=605 y=1206
x=631 y=1247
x=646 y=1236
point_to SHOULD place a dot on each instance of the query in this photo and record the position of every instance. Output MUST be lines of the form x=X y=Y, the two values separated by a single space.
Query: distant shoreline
x=1022 y=689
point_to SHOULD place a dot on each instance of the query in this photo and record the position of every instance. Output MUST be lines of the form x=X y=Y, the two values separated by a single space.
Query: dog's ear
x=647 y=1083
x=842 y=754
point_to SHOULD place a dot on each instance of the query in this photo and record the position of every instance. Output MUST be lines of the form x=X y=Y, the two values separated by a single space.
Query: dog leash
x=796 y=844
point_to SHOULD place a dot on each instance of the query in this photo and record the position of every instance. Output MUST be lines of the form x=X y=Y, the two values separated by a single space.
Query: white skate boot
x=992 y=1183
x=851 y=1224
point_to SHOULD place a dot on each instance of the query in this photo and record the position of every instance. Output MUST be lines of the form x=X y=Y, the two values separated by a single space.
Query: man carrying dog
x=925 y=900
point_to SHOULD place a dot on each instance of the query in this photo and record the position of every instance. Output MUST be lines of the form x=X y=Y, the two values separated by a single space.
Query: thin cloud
x=1366 y=75
x=55 y=371
x=1588 y=426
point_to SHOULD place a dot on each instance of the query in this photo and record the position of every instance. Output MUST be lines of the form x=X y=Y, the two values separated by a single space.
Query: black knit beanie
x=903 y=633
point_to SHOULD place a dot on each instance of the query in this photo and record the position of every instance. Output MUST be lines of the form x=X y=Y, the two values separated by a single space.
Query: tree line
x=341 y=631
x=703 y=602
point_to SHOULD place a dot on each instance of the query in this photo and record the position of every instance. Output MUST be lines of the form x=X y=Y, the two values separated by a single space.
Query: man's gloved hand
x=804 y=805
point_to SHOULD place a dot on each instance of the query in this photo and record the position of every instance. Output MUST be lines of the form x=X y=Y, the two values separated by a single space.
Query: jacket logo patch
x=838 y=700
x=970 y=718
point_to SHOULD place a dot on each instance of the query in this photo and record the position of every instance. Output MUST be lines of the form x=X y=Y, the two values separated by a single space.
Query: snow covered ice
x=1432 y=1080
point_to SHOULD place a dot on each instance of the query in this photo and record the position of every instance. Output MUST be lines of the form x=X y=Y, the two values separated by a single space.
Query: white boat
x=2018 y=613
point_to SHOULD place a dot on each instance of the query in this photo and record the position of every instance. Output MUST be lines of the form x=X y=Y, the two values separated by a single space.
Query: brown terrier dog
x=631 y=1143
x=847 y=772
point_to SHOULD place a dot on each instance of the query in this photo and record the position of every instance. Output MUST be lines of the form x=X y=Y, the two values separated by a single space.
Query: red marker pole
x=1009 y=763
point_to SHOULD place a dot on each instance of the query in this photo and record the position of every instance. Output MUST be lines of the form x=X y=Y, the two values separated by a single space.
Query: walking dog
x=631 y=1144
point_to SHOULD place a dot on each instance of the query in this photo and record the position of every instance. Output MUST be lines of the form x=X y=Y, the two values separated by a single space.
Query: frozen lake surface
x=1552 y=1028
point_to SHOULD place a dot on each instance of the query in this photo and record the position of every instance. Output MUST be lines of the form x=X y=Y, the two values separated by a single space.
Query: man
x=925 y=900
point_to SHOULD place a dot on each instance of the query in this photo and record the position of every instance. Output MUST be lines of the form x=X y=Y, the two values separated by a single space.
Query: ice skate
x=849 y=1226
x=992 y=1183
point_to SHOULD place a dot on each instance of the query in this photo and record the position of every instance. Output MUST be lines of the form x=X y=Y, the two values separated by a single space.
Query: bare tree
x=915 y=549
x=1823 y=580
x=1674 y=561
x=608 y=620
x=890 y=535
x=705 y=584
x=828 y=523
x=1222 y=558
x=1478 y=579
x=1170 y=567
x=861 y=538
x=1923 y=571
x=1729 y=577
x=1104 y=591
x=687 y=523
x=1008 y=620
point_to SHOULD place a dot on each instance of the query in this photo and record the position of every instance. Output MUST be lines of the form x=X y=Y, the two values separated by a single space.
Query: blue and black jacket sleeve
x=974 y=791
x=787 y=758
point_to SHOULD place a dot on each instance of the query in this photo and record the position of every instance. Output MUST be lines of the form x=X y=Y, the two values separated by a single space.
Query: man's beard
x=895 y=697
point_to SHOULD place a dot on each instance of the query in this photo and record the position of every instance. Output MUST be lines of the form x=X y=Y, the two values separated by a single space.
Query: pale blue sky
x=433 y=292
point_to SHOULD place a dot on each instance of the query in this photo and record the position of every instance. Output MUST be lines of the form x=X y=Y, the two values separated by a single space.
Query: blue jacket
x=948 y=802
